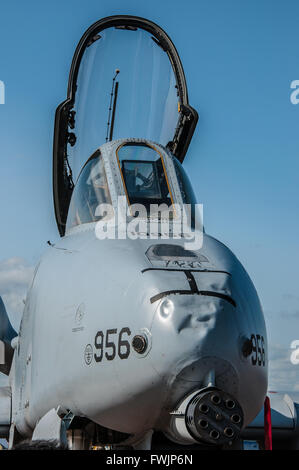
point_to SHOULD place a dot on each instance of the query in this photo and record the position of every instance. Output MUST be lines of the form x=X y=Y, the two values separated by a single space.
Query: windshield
x=145 y=180
x=90 y=191
x=144 y=176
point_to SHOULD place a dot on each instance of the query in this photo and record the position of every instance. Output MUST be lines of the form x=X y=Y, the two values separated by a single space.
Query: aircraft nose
x=202 y=336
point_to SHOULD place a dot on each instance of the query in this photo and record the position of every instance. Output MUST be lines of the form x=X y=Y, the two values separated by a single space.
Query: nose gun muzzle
x=210 y=416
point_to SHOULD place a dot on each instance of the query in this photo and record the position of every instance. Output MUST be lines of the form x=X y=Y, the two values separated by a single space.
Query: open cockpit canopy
x=126 y=81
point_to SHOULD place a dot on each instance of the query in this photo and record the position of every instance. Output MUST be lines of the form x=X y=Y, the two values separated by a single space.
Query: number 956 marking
x=258 y=356
x=108 y=345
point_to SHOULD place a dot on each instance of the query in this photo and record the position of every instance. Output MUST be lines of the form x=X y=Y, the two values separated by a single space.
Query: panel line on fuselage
x=189 y=292
x=183 y=270
x=193 y=286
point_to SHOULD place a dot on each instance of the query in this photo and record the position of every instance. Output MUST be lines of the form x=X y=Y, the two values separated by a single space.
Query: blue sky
x=240 y=59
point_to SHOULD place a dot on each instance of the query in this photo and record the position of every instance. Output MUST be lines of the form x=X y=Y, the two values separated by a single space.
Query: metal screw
x=139 y=343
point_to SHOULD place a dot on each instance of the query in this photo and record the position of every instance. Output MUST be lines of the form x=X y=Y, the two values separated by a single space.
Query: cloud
x=283 y=375
x=290 y=304
x=15 y=277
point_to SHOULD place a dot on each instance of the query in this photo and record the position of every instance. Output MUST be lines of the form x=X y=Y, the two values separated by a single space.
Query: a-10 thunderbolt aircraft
x=123 y=339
